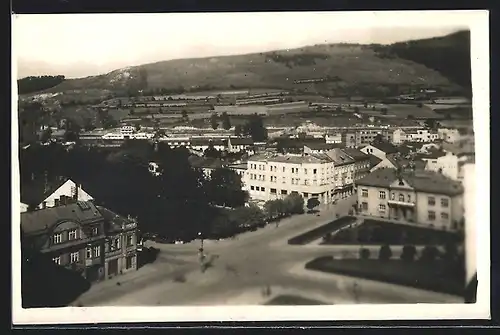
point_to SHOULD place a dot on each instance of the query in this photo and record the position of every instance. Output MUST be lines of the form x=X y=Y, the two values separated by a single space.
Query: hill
x=337 y=69
x=449 y=55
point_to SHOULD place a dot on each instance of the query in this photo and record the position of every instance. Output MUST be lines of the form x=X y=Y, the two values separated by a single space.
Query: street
x=242 y=267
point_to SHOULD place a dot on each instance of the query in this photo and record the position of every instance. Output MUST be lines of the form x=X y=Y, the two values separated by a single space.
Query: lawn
x=439 y=276
x=316 y=233
x=381 y=232
x=293 y=300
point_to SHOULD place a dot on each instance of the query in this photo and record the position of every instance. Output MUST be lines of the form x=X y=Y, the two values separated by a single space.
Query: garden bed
x=293 y=300
x=381 y=232
x=321 y=231
x=439 y=276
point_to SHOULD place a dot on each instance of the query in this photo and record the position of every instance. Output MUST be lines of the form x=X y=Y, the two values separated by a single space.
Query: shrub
x=364 y=253
x=409 y=252
x=385 y=253
x=429 y=254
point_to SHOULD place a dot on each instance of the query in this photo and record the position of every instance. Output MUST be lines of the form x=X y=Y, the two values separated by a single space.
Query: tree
x=271 y=208
x=409 y=253
x=294 y=204
x=224 y=188
x=137 y=127
x=214 y=121
x=364 y=253
x=365 y=104
x=431 y=123
x=226 y=122
x=211 y=152
x=255 y=128
x=356 y=109
x=312 y=203
x=378 y=139
x=429 y=254
x=385 y=253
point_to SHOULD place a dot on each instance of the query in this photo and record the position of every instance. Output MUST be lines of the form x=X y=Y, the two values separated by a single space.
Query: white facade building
x=419 y=135
x=448 y=165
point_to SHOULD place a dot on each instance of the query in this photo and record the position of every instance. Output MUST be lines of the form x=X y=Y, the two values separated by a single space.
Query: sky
x=79 y=45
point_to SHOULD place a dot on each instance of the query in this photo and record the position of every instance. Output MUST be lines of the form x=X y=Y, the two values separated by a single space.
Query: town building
x=239 y=144
x=379 y=149
x=90 y=240
x=366 y=136
x=272 y=176
x=349 y=139
x=446 y=164
x=412 y=135
x=398 y=160
x=362 y=162
x=202 y=144
x=45 y=193
x=335 y=138
x=422 y=198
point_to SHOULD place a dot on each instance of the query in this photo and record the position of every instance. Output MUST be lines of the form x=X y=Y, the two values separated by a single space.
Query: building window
x=381 y=208
x=257 y=188
x=88 y=253
x=263 y=189
x=402 y=197
x=306 y=182
x=252 y=188
x=444 y=216
x=381 y=194
x=57 y=238
x=315 y=171
x=283 y=180
x=364 y=193
x=431 y=201
x=393 y=196
x=57 y=260
x=409 y=198
x=305 y=171
x=56 y=202
x=364 y=206
x=72 y=235
x=95 y=231
x=283 y=169
x=74 y=256
x=97 y=251
x=273 y=191
x=293 y=170
x=444 y=202
x=431 y=215
x=130 y=240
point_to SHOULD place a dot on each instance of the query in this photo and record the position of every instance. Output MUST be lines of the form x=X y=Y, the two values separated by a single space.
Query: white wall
x=448 y=164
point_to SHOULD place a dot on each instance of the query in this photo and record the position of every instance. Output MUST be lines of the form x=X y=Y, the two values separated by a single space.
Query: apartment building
x=238 y=144
x=366 y=136
x=326 y=176
x=87 y=239
x=334 y=138
x=423 y=198
x=272 y=176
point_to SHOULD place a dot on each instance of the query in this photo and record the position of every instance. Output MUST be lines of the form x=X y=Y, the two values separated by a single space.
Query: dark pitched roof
x=374 y=160
x=423 y=181
x=386 y=147
x=114 y=222
x=323 y=146
x=401 y=161
x=356 y=154
x=39 y=220
x=34 y=192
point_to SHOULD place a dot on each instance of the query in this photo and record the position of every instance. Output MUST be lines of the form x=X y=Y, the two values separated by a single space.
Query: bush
x=364 y=253
x=429 y=254
x=409 y=253
x=385 y=253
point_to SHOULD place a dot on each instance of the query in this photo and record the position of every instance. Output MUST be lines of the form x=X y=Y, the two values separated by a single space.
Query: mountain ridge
x=345 y=68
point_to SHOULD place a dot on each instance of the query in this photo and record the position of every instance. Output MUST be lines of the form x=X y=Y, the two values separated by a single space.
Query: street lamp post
x=201 y=244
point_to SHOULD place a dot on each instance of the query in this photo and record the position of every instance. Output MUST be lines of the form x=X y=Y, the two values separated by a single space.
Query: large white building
x=326 y=176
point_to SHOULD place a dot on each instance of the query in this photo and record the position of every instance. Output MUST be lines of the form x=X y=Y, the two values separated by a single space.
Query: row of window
x=430 y=200
x=431 y=215
x=74 y=257
x=58 y=238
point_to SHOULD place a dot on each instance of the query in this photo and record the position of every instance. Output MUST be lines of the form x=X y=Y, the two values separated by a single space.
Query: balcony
x=401 y=203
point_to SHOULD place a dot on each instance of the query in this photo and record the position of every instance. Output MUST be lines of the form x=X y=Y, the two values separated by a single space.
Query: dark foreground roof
x=423 y=181
x=34 y=192
x=39 y=220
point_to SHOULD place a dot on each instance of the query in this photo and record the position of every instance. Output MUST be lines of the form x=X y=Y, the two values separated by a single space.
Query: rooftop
x=292 y=159
x=423 y=181
x=40 y=220
x=356 y=154
x=114 y=222
x=36 y=191
x=386 y=147
x=374 y=160
x=323 y=146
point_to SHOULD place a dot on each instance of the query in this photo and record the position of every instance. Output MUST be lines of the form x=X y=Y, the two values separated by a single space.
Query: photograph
x=229 y=166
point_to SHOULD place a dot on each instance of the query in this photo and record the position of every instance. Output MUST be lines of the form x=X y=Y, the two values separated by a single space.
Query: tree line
x=34 y=84
x=179 y=203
